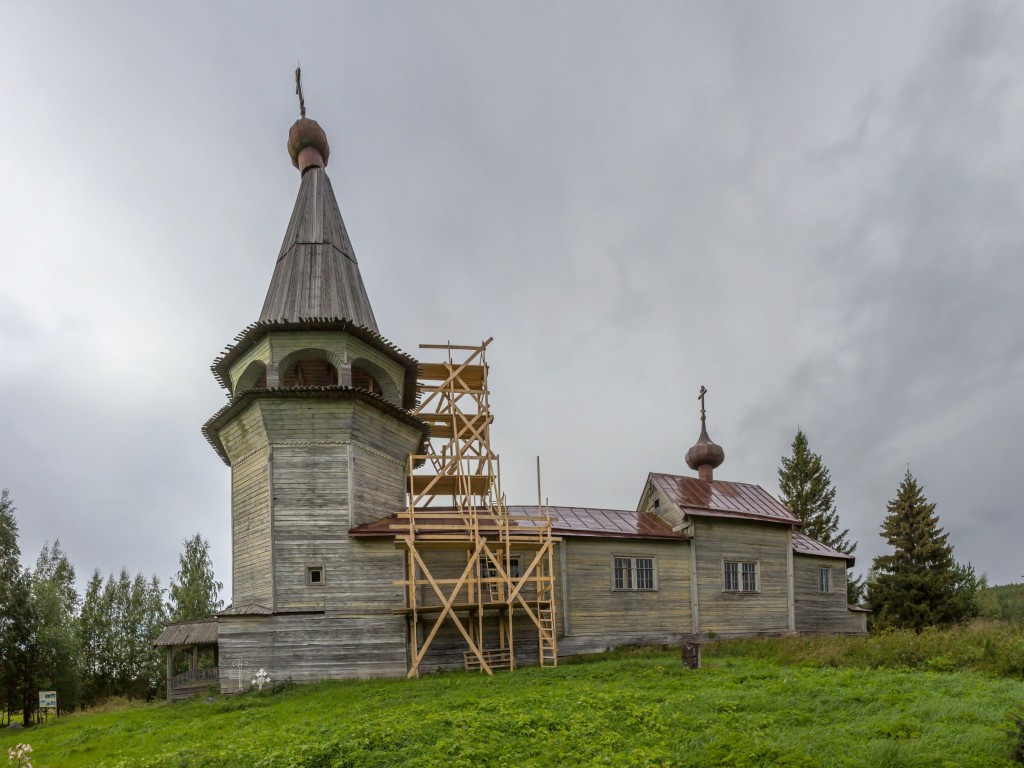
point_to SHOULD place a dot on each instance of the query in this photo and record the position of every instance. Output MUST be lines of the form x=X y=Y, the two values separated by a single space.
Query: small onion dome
x=307 y=145
x=705 y=452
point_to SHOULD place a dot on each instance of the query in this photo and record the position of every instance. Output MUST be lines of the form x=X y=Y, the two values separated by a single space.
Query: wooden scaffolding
x=468 y=562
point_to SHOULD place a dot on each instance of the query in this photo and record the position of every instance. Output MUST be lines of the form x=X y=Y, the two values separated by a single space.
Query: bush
x=982 y=646
x=1017 y=734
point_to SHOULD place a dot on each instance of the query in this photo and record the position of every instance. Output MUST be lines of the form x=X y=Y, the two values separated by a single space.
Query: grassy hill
x=620 y=709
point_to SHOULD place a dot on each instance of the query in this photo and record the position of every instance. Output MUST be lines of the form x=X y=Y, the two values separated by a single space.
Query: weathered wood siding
x=818 y=612
x=600 y=617
x=307 y=648
x=728 y=613
x=251 y=569
x=381 y=447
x=448 y=647
x=311 y=521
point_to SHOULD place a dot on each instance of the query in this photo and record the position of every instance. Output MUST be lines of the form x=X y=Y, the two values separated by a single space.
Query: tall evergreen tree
x=14 y=608
x=920 y=584
x=194 y=590
x=807 y=490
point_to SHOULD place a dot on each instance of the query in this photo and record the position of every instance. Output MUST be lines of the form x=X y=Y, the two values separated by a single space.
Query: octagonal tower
x=317 y=432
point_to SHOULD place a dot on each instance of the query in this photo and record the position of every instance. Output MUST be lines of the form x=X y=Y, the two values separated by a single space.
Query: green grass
x=995 y=647
x=620 y=709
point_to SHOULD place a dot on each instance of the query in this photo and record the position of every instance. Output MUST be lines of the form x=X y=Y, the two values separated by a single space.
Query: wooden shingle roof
x=316 y=273
x=202 y=632
x=721 y=498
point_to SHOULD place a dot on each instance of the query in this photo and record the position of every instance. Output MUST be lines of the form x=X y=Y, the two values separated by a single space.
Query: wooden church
x=370 y=536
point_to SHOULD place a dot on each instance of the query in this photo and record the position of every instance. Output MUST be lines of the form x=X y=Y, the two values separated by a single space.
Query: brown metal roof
x=565 y=521
x=202 y=632
x=805 y=545
x=721 y=498
x=615 y=523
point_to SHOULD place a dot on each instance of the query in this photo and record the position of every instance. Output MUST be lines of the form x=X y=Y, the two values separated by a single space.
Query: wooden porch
x=193 y=638
x=192 y=683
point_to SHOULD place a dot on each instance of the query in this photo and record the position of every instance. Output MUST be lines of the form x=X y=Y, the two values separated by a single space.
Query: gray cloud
x=814 y=213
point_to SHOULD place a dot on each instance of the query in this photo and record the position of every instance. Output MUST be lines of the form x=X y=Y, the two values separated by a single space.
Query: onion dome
x=307 y=145
x=705 y=456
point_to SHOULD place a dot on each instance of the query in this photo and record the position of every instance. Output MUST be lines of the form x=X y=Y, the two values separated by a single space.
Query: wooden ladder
x=546 y=633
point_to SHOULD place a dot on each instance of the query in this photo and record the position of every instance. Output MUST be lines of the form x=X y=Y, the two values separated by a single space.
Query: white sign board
x=47 y=699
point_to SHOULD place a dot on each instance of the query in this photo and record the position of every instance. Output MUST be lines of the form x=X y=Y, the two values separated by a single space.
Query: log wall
x=817 y=612
x=601 y=617
x=738 y=613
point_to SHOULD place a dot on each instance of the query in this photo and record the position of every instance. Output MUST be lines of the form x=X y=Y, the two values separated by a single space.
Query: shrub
x=984 y=646
x=1017 y=734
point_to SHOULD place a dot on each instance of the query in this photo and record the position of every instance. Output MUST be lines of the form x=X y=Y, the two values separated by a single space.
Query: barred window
x=644 y=573
x=738 y=576
x=624 y=573
x=634 y=573
x=749 y=576
x=825 y=580
x=732 y=577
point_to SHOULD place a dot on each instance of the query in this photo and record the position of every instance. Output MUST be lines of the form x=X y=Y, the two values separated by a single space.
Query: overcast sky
x=814 y=209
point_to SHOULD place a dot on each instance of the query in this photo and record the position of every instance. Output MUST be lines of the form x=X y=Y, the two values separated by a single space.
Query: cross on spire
x=298 y=91
x=700 y=396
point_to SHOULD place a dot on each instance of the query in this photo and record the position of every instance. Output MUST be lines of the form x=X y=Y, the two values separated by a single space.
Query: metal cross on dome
x=298 y=91
x=700 y=396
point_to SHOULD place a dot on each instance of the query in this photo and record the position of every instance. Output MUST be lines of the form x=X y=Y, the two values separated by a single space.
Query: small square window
x=315 y=575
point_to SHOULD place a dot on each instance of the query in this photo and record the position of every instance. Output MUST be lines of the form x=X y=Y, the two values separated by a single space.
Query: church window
x=487 y=569
x=495 y=589
x=739 y=576
x=363 y=379
x=825 y=580
x=310 y=372
x=315 y=575
x=634 y=573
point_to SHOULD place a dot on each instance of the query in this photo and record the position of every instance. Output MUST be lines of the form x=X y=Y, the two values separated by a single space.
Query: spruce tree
x=807 y=490
x=920 y=584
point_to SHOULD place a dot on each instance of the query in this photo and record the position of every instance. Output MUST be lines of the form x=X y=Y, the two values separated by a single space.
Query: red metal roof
x=721 y=498
x=805 y=545
x=617 y=523
x=565 y=521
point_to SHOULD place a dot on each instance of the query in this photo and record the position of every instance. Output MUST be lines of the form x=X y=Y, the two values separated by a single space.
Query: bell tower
x=317 y=431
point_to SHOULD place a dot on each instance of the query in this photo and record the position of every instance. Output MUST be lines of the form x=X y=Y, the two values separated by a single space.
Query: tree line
x=918 y=583
x=90 y=647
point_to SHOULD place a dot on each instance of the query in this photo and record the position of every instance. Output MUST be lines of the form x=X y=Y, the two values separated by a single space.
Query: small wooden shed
x=191 y=637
